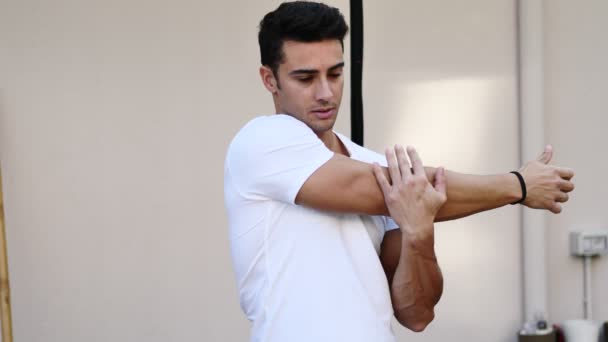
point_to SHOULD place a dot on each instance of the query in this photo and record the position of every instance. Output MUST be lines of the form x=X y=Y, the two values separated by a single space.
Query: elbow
x=419 y=326
x=416 y=320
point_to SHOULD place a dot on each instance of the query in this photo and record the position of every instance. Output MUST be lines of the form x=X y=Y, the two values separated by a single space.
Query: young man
x=312 y=241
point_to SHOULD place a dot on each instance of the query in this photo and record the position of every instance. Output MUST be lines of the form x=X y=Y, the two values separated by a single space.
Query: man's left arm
x=410 y=263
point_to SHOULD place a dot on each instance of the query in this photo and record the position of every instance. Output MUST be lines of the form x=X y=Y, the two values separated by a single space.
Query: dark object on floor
x=538 y=338
x=559 y=333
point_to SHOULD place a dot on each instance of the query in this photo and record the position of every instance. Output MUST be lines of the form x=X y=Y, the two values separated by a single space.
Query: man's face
x=310 y=83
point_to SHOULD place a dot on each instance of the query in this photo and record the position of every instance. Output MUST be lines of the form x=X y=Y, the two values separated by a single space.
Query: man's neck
x=333 y=143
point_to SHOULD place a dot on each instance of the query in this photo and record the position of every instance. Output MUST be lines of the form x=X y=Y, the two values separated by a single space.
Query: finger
x=546 y=156
x=440 y=181
x=416 y=162
x=404 y=164
x=557 y=208
x=566 y=186
x=381 y=179
x=562 y=197
x=393 y=167
x=565 y=172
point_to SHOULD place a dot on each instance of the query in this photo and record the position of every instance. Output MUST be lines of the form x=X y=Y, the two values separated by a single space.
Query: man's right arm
x=343 y=184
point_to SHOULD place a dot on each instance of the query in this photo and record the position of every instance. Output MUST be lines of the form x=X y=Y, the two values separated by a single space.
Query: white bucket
x=581 y=330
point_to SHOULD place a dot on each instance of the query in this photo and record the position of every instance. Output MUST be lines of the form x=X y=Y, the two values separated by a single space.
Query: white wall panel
x=576 y=51
x=441 y=76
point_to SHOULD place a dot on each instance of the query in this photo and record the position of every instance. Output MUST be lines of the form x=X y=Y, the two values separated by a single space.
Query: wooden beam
x=5 y=293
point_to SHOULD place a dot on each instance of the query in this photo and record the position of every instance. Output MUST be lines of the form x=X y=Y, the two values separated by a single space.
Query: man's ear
x=270 y=82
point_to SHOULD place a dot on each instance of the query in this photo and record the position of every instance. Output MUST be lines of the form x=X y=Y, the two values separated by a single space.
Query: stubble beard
x=322 y=126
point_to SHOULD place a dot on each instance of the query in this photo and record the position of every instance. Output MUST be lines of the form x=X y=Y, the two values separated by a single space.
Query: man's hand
x=547 y=185
x=412 y=201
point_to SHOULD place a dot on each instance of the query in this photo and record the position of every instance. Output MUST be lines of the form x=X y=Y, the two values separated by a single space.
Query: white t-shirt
x=303 y=274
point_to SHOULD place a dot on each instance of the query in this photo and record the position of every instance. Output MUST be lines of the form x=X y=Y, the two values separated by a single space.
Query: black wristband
x=524 y=192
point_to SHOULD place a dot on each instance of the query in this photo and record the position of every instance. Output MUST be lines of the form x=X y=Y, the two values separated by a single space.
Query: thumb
x=546 y=156
x=440 y=181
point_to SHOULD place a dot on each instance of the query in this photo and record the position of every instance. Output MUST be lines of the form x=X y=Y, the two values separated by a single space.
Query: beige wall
x=114 y=120
x=441 y=76
x=576 y=51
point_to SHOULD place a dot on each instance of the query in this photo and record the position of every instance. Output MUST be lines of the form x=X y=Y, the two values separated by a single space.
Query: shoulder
x=276 y=123
x=269 y=129
x=265 y=135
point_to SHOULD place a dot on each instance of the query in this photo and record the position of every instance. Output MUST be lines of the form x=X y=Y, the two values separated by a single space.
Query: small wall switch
x=588 y=243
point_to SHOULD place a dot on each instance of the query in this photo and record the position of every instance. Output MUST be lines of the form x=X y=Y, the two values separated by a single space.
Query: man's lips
x=324 y=113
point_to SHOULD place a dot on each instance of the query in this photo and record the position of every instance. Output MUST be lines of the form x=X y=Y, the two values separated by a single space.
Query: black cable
x=356 y=71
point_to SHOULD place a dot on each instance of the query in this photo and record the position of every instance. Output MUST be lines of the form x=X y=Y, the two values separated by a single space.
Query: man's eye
x=305 y=79
x=335 y=75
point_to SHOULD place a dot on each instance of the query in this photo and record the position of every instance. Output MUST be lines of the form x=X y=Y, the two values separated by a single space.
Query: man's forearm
x=470 y=194
x=417 y=284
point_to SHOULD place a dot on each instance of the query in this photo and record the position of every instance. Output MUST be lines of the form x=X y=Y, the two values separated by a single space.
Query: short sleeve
x=272 y=157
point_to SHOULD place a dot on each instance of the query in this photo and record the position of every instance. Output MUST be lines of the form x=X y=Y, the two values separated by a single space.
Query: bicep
x=343 y=184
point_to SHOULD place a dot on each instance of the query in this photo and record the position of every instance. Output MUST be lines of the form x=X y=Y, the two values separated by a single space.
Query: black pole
x=356 y=71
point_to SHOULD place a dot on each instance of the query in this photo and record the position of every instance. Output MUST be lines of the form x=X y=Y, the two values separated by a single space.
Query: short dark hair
x=301 y=21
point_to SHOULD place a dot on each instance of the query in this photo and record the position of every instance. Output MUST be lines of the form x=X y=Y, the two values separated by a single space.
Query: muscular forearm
x=417 y=284
x=470 y=194
x=466 y=194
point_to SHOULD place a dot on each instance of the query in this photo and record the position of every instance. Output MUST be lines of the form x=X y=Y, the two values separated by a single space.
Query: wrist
x=419 y=235
x=522 y=187
x=512 y=189
x=420 y=245
x=416 y=231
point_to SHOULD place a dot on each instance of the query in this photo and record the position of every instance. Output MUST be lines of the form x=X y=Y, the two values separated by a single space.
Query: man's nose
x=324 y=92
